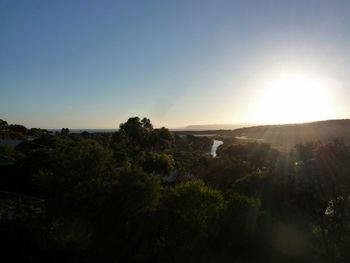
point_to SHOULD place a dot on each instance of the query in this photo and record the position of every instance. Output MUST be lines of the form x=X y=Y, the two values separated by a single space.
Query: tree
x=254 y=185
x=238 y=224
x=126 y=224
x=3 y=125
x=136 y=130
x=70 y=170
x=160 y=139
x=18 y=129
x=146 y=124
x=159 y=163
x=222 y=172
x=259 y=155
x=37 y=132
x=188 y=213
x=337 y=236
x=64 y=131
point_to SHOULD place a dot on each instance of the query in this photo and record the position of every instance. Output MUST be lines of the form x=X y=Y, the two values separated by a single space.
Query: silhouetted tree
x=3 y=125
x=64 y=131
x=18 y=128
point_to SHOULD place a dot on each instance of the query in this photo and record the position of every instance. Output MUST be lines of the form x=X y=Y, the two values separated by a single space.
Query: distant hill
x=212 y=127
x=282 y=137
x=287 y=135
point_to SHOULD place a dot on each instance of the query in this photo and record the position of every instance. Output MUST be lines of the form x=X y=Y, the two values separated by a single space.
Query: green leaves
x=157 y=163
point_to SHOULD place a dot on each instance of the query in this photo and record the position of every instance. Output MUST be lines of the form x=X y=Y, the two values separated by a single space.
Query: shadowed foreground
x=146 y=195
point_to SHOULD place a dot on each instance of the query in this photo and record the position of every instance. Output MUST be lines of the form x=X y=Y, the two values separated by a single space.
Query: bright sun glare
x=293 y=98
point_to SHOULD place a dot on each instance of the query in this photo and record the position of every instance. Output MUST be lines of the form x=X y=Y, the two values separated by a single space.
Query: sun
x=294 y=98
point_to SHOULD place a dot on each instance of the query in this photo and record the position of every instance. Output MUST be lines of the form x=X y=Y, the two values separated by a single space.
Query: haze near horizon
x=93 y=64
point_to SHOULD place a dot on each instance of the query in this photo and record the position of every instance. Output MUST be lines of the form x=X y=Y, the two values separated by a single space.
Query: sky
x=93 y=64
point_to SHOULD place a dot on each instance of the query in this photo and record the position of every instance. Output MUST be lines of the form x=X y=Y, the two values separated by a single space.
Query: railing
x=18 y=199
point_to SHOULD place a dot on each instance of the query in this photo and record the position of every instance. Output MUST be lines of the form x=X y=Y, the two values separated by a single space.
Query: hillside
x=213 y=127
x=286 y=136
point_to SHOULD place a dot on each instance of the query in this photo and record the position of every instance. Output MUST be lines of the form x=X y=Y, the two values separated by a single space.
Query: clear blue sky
x=92 y=64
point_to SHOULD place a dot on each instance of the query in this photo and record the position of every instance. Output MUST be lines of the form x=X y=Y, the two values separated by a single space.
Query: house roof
x=10 y=142
x=6 y=160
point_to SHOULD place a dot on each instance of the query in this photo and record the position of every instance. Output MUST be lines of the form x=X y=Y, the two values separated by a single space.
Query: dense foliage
x=146 y=195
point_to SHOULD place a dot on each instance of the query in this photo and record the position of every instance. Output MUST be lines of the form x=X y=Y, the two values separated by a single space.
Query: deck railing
x=14 y=199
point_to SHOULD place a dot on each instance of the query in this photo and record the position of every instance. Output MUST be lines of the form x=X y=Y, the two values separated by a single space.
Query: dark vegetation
x=147 y=195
